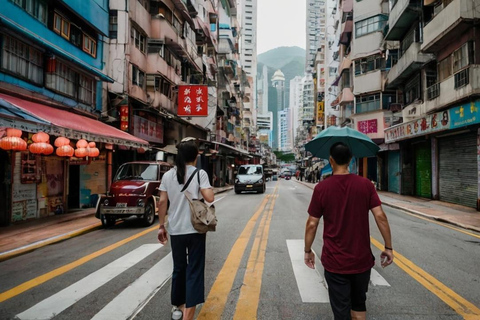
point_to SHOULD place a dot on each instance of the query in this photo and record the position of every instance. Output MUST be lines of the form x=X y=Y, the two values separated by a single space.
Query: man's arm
x=162 y=212
x=382 y=224
x=310 y=232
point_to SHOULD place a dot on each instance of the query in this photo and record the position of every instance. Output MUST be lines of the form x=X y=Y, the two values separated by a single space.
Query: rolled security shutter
x=458 y=177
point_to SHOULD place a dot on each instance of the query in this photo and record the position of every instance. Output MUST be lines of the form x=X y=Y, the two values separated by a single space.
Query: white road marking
x=60 y=301
x=134 y=298
x=310 y=282
x=377 y=280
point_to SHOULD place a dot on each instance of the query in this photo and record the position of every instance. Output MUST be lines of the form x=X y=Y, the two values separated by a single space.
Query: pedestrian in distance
x=188 y=246
x=344 y=201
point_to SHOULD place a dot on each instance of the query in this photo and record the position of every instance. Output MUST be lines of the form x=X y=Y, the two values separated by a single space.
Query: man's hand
x=310 y=260
x=386 y=258
x=162 y=235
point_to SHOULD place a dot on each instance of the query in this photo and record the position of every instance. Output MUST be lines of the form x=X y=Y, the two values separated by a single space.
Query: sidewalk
x=24 y=237
x=27 y=236
x=461 y=216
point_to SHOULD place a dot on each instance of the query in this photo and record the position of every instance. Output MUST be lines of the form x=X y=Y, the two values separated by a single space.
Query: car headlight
x=140 y=203
x=237 y=181
x=105 y=202
x=260 y=181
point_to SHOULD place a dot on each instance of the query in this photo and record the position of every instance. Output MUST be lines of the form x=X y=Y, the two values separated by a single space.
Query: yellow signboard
x=320 y=113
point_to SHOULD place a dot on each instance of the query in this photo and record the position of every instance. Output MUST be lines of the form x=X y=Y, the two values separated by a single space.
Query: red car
x=134 y=191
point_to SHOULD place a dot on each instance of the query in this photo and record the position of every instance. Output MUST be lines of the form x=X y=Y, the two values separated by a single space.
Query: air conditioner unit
x=438 y=8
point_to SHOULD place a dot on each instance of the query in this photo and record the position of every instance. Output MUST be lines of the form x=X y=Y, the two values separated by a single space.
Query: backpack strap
x=190 y=179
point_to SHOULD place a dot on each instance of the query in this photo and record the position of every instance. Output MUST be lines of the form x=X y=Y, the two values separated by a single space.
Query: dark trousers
x=188 y=278
x=347 y=292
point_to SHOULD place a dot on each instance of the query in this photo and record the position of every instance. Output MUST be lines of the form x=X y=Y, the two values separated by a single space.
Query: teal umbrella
x=360 y=144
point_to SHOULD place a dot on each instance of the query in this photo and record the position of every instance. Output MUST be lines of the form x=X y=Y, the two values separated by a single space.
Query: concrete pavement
x=30 y=235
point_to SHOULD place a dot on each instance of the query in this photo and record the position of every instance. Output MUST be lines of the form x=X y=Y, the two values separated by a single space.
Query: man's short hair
x=341 y=153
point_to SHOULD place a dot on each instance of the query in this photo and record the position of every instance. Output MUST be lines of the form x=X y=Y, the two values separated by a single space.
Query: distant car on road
x=134 y=191
x=250 y=177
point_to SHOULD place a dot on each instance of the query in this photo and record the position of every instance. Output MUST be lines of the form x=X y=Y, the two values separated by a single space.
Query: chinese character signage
x=453 y=118
x=320 y=113
x=124 y=117
x=148 y=130
x=193 y=101
x=368 y=126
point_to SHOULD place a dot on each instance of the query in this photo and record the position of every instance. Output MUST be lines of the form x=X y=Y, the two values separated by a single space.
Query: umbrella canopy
x=360 y=144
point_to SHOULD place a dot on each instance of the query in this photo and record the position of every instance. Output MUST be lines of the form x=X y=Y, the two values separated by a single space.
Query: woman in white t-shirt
x=188 y=246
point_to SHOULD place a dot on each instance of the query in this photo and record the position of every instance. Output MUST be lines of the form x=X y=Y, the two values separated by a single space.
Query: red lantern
x=65 y=151
x=48 y=150
x=13 y=143
x=11 y=132
x=93 y=152
x=82 y=143
x=61 y=141
x=81 y=152
x=92 y=144
x=40 y=137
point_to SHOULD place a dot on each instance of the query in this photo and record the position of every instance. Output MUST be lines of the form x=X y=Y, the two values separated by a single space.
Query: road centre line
x=463 y=307
x=247 y=304
x=57 y=303
x=72 y=265
x=217 y=298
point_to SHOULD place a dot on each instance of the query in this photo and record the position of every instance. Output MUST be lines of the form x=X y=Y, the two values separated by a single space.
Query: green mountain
x=290 y=60
x=279 y=57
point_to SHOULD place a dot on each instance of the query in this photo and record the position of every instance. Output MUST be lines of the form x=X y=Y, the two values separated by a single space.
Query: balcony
x=459 y=86
x=369 y=82
x=451 y=21
x=410 y=62
x=402 y=15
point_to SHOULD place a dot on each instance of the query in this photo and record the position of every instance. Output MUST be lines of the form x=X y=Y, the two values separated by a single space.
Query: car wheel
x=107 y=221
x=237 y=191
x=262 y=190
x=149 y=216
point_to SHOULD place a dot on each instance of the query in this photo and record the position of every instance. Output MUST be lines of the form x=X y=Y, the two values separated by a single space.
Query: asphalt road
x=254 y=269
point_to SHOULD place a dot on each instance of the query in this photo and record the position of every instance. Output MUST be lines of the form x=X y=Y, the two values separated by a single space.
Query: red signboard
x=368 y=126
x=124 y=117
x=193 y=101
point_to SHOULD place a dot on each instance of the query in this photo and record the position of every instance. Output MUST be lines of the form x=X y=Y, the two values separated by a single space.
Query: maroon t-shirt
x=344 y=202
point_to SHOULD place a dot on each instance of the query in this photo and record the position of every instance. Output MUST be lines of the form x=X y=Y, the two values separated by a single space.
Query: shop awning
x=231 y=148
x=63 y=123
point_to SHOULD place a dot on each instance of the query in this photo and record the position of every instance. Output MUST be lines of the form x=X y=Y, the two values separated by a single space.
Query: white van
x=250 y=177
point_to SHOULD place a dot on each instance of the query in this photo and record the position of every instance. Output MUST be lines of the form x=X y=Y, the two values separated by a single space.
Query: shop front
x=63 y=170
x=439 y=155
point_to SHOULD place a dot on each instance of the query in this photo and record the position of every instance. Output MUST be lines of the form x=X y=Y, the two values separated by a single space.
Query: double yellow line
x=463 y=307
x=247 y=303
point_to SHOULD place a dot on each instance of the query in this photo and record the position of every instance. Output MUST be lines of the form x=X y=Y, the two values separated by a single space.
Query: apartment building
x=433 y=151
x=52 y=84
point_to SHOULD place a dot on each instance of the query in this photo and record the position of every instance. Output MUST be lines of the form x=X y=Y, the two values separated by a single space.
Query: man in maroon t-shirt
x=344 y=201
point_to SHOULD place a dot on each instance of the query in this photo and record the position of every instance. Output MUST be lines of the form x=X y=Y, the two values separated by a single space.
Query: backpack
x=202 y=215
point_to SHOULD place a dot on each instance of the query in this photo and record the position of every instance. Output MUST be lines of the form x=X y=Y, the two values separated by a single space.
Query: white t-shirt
x=179 y=211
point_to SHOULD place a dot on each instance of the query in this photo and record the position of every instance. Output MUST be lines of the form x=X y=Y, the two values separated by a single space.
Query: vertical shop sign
x=124 y=117
x=320 y=113
x=193 y=101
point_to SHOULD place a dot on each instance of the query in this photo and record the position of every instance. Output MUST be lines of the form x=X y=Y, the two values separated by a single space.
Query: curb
x=42 y=243
x=463 y=226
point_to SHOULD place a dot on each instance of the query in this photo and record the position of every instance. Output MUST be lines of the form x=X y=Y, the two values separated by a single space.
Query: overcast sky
x=280 y=23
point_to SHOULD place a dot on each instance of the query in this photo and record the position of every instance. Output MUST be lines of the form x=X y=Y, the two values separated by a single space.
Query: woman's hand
x=162 y=235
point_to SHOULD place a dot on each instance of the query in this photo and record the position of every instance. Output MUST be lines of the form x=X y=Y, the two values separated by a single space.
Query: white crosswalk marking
x=311 y=283
x=377 y=280
x=60 y=301
x=134 y=297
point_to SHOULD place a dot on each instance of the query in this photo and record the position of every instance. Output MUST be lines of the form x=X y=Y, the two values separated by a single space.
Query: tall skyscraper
x=315 y=30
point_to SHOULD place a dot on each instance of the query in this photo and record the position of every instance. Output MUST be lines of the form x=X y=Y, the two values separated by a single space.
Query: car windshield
x=137 y=171
x=250 y=170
